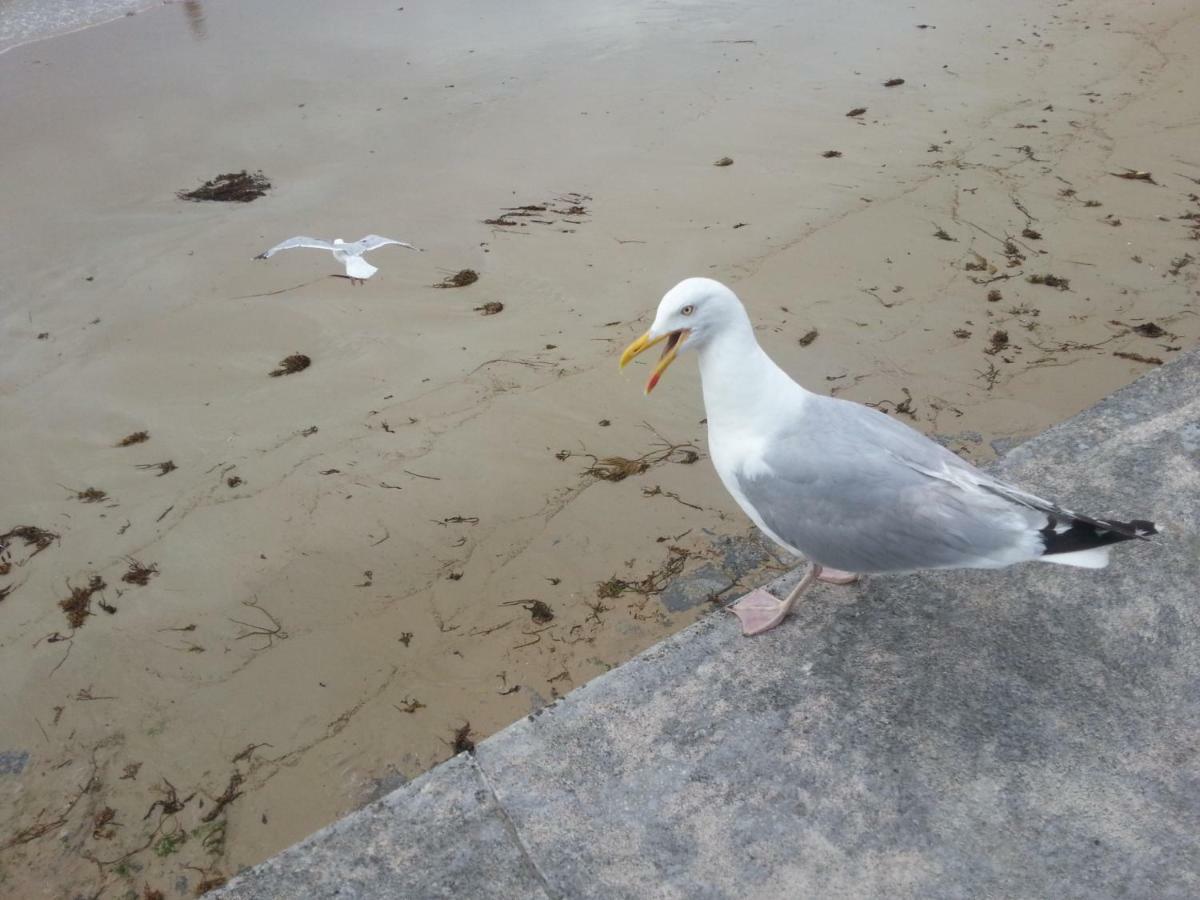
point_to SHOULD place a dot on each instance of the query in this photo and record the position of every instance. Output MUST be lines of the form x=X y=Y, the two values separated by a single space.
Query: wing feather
x=293 y=243
x=853 y=489
x=357 y=267
x=375 y=241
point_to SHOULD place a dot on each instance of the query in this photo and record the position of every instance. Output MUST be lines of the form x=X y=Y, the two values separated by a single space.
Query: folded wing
x=856 y=490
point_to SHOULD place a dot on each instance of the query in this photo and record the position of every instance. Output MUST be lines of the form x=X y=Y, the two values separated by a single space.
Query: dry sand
x=346 y=557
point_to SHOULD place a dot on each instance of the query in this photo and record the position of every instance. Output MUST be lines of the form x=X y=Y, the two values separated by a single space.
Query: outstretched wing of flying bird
x=375 y=241
x=292 y=243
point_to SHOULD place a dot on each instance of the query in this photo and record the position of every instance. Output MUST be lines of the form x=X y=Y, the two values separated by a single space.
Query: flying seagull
x=358 y=269
x=845 y=485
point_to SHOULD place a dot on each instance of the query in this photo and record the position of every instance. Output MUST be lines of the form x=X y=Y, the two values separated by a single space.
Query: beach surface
x=318 y=585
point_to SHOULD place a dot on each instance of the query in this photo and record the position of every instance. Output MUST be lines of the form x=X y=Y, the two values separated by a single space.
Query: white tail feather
x=1092 y=558
x=357 y=267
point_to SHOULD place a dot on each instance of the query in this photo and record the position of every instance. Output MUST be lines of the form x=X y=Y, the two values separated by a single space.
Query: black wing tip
x=1142 y=528
x=1086 y=534
x=261 y=256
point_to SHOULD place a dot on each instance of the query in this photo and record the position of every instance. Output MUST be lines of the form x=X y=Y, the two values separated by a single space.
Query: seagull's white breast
x=746 y=397
x=737 y=451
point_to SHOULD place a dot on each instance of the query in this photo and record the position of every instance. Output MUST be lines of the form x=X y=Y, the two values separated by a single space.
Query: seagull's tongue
x=668 y=350
x=669 y=345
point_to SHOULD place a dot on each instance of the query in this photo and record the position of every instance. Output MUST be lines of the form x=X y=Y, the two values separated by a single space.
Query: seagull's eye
x=688 y=310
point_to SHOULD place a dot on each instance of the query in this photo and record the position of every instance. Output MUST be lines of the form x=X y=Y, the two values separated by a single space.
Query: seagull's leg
x=837 y=576
x=761 y=611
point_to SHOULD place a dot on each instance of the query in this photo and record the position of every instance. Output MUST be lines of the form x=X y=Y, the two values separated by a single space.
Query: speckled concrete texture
x=1032 y=732
x=442 y=835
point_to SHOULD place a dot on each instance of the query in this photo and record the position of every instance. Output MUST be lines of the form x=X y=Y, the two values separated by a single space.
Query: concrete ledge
x=1026 y=733
x=442 y=835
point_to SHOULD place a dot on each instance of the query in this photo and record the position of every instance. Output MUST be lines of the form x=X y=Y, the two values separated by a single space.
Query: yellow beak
x=645 y=342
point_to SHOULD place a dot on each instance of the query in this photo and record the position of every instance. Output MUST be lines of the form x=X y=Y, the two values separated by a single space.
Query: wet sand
x=329 y=606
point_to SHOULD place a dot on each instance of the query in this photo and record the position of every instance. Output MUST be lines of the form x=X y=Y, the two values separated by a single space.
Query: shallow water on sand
x=22 y=21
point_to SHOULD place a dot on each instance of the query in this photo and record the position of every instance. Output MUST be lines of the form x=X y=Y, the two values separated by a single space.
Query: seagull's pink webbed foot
x=837 y=576
x=759 y=611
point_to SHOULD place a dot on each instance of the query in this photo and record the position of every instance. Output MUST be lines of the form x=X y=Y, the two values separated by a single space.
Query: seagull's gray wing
x=374 y=242
x=853 y=489
x=1058 y=519
x=292 y=243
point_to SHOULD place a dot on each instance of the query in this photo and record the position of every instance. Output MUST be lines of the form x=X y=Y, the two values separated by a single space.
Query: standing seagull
x=358 y=269
x=845 y=485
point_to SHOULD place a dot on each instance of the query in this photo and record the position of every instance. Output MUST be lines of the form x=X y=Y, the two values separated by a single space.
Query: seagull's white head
x=338 y=241
x=688 y=317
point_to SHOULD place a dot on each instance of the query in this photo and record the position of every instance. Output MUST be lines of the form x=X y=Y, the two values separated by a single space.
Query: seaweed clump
x=232 y=187
x=462 y=740
x=997 y=342
x=33 y=536
x=137 y=437
x=654 y=583
x=139 y=573
x=461 y=278
x=539 y=611
x=1137 y=357
x=618 y=468
x=1054 y=281
x=290 y=365
x=164 y=468
x=1150 y=330
x=78 y=606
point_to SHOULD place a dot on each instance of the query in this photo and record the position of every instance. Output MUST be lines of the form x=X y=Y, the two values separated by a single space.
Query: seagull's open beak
x=673 y=338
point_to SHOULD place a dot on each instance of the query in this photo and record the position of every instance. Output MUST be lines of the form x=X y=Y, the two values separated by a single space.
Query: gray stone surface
x=735 y=558
x=695 y=588
x=442 y=835
x=1033 y=732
